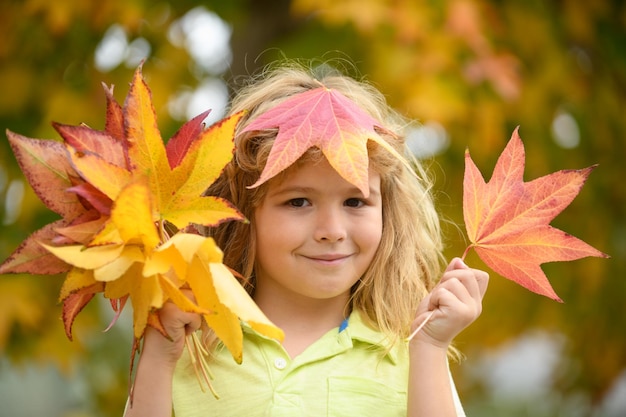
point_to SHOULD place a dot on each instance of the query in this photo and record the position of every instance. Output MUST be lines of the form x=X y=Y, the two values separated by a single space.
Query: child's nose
x=330 y=226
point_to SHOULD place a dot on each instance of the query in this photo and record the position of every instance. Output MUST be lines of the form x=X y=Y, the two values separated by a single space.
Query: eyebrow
x=302 y=189
x=290 y=189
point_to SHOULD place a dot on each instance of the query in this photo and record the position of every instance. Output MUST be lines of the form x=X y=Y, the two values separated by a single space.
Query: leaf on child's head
x=326 y=119
x=507 y=219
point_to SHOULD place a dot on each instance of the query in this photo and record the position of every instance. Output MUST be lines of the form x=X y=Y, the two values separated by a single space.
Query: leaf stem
x=197 y=353
x=466 y=251
x=422 y=324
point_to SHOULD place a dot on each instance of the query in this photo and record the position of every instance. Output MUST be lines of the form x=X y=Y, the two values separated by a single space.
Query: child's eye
x=354 y=202
x=298 y=202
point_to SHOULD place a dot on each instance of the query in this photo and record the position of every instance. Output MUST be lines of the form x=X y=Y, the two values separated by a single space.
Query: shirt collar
x=356 y=330
x=359 y=331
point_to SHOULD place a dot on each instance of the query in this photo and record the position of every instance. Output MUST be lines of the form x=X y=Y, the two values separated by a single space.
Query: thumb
x=456 y=263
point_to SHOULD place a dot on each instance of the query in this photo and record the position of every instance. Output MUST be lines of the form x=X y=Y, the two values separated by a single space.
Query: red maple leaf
x=507 y=219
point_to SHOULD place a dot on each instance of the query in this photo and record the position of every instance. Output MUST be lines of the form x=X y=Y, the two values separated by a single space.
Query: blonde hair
x=408 y=259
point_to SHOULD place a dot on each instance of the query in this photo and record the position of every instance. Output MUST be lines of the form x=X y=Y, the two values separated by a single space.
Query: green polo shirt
x=344 y=373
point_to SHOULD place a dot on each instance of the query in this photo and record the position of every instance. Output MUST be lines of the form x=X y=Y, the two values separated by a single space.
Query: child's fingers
x=177 y=325
x=457 y=298
x=474 y=279
x=460 y=283
x=175 y=320
x=456 y=263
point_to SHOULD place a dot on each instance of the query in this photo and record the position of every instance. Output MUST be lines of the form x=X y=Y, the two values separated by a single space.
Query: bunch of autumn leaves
x=129 y=205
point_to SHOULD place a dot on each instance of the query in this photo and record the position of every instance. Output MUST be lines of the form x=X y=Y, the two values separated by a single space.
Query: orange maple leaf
x=323 y=118
x=507 y=219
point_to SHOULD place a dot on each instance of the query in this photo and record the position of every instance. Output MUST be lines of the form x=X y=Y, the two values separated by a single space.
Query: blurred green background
x=469 y=70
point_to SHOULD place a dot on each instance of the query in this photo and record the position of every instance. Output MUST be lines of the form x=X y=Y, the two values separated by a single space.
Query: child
x=346 y=277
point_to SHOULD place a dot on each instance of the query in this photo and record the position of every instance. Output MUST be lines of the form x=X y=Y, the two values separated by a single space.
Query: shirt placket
x=284 y=402
x=283 y=372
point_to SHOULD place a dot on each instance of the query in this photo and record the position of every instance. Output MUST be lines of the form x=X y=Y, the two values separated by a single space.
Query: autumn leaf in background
x=507 y=219
x=129 y=206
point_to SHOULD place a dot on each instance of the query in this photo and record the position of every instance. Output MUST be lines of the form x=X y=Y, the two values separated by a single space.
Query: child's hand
x=178 y=324
x=456 y=301
x=152 y=389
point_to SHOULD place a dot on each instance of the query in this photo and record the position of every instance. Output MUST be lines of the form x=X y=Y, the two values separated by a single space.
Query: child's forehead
x=316 y=169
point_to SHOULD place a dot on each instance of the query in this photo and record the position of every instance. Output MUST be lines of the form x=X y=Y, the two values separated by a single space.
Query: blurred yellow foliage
x=20 y=304
x=476 y=68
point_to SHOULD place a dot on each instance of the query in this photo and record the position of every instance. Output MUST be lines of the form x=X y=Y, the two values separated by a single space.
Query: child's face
x=316 y=234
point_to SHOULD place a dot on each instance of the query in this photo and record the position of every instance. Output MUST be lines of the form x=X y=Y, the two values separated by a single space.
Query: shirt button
x=280 y=363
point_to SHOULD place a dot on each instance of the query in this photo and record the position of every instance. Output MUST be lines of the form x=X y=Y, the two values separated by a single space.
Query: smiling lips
x=328 y=258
